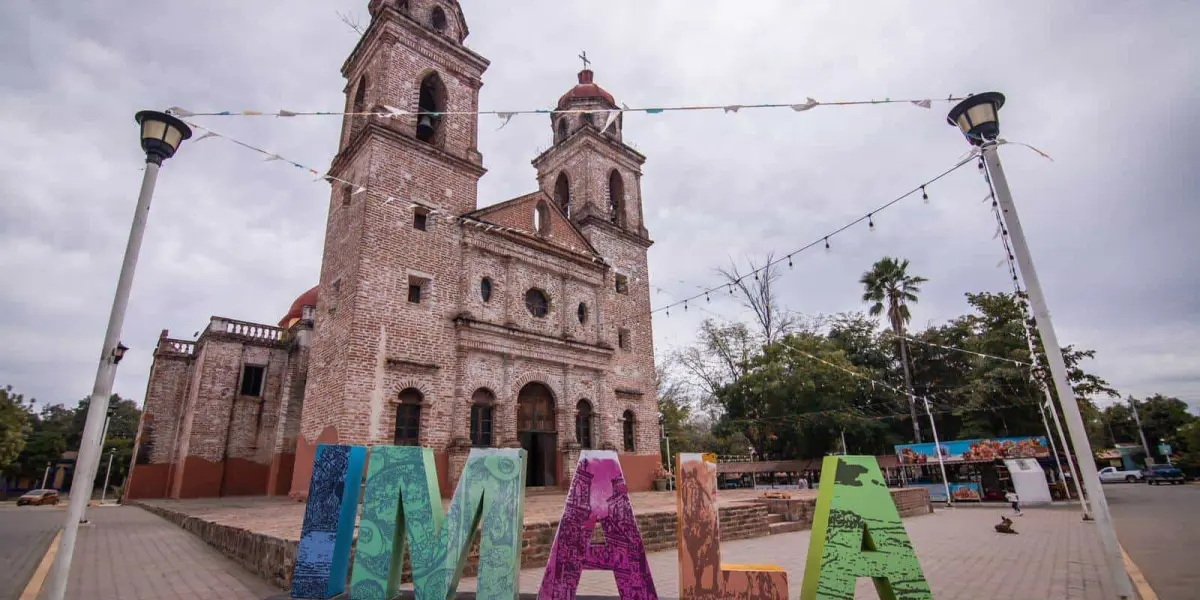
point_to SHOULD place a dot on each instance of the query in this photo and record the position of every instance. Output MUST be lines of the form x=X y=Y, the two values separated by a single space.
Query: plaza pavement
x=130 y=554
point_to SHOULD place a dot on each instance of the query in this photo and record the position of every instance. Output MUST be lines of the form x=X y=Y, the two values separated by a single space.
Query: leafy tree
x=14 y=425
x=888 y=286
x=1162 y=418
x=790 y=404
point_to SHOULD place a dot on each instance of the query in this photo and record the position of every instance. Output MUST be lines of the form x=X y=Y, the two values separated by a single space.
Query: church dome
x=308 y=298
x=586 y=90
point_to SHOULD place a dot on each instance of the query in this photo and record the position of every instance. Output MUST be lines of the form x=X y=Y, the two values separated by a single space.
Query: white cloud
x=1105 y=90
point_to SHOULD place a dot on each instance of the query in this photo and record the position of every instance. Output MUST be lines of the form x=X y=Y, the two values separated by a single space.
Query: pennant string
x=393 y=112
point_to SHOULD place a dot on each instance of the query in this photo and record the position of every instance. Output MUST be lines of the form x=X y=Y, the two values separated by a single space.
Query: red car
x=38 y=498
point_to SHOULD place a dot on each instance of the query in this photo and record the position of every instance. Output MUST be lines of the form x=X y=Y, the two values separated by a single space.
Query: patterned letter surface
x=323 y=557
x=598 y=493
x=490 y=495
x=857 y=533
x=378 y=555
x=701 y=574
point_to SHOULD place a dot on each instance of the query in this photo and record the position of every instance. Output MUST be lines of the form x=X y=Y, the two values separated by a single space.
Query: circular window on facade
x=582 y=313
x=485 y=289
x=537 y=302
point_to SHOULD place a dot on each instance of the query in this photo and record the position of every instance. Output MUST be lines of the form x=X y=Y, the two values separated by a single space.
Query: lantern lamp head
x=978 y=117
x=161 y=134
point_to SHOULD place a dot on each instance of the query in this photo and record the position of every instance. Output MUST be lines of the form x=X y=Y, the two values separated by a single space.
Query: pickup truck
x=1157 y=474
x=1113 y=475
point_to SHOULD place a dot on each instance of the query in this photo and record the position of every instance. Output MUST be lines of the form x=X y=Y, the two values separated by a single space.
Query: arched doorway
x=538 y=432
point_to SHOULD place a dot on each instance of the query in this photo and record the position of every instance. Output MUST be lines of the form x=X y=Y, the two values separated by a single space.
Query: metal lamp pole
x=937 y=445
x=978 y=118
x=161 y=135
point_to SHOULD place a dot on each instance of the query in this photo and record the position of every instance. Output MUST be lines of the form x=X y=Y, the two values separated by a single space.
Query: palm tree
x=888 y=281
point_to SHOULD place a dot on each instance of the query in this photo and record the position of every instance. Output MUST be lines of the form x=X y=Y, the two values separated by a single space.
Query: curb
x=1139 y=581
x=34 y=587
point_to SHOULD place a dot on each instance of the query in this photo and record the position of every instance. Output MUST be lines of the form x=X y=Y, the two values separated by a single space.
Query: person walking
x=1016 y=502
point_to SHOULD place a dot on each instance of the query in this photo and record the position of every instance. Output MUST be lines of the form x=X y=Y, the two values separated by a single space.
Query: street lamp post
x=978 y=118
x=161 y=135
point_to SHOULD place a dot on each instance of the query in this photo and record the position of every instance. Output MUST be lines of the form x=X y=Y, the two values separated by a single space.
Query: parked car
x=38 y=498
x=1157 y=474
x=1114 y=475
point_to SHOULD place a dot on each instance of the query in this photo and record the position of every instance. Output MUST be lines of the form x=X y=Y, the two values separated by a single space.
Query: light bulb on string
x=870 y=222
x=789 y=261
x=756 y=275
x=731 y=289
x=924 y=195
x=685 y=306
x=706 y=298
x=826 y=244
x=981 y=164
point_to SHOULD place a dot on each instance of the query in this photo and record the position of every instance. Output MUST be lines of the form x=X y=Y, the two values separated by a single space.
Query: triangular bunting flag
x=181 y=112
x=732 y=108
x=612 y=117
x=207 y=134
x=923 y=103
x=505 y=117
x=809 y=103
x=285 y=113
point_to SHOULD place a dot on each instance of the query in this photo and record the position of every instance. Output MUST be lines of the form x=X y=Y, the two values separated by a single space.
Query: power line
x=824 y=239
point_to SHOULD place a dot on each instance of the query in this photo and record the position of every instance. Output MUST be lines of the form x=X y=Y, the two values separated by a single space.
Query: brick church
x=435 y=323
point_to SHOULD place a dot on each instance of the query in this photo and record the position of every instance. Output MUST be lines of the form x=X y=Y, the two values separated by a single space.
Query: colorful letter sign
x=323 y=558
x=701 y=574
x=598 y=493
x=857 y=533
x=491 y=493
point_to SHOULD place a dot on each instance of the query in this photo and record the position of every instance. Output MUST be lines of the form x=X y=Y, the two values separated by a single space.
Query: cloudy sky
x=1107 y=88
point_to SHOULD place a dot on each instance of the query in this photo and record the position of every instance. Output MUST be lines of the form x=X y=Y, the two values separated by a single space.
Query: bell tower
x=387 y=290
x=596 y=179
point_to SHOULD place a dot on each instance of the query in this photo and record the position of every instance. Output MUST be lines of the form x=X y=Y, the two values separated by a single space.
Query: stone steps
x=774 y=518
x=787 y=527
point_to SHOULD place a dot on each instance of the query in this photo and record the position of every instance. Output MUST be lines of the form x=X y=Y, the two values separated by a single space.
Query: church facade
x=435 y=323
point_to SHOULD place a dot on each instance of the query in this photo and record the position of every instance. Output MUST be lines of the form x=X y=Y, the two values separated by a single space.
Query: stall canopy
x=1028 y=480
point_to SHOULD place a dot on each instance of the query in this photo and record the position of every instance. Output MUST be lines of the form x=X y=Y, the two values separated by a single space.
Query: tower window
x=582 y=313
x=485 y=289
x=417 y=289
x=623 y=339
x=622 y=284
x=562 y=192
x=616 y=198
x=439 y=19
x=563 y=124
x=587 y=118
x=481 y=417
x=537 y=303
x=403 y=6
x=408 y=418
x=420 y=219
x=359 y=106
x=431 y=102
x=583 y=424
x=252 y=380
x=627 y=429
x=541 y=218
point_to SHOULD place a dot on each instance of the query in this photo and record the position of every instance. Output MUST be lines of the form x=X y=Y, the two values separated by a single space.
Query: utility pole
x=45 y=475
x=978 y=118
x=161 y=134
x=107 y=472
x=1138 y=421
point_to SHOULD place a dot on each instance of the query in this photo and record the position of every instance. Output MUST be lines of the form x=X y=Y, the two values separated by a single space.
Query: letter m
x=403 y=504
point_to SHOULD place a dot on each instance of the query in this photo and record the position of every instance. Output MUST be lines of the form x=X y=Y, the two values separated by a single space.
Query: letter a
x=323 y=557
x=598 y=493
x=857 y=533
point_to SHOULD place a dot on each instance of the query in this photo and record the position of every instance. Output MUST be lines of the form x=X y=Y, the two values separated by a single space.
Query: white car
x=1113 y=475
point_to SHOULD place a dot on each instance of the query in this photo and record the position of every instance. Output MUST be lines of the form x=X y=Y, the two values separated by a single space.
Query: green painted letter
x=857 y=533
